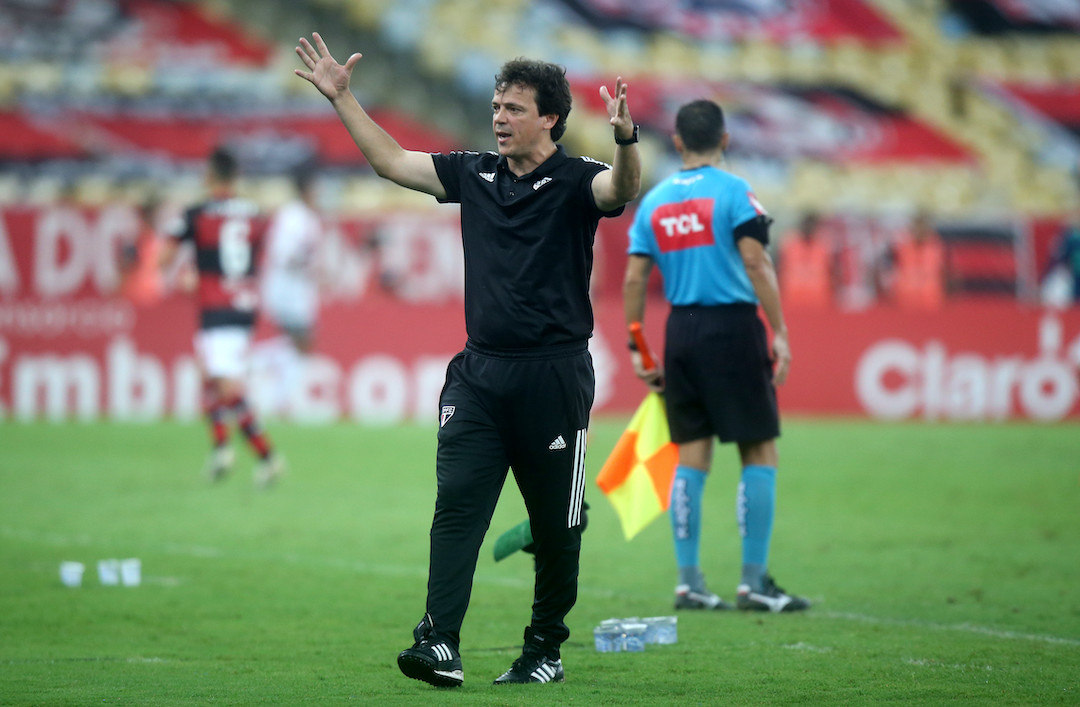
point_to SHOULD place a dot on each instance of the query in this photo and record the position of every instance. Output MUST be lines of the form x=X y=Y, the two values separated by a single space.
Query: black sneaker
x=432 y=660
x=686 y=598
x=534 y=665
x=770 y=598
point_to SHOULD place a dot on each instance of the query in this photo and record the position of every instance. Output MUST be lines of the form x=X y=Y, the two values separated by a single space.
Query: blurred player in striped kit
x=226 y=233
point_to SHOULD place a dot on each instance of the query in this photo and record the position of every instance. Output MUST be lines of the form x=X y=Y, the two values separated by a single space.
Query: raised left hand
x=618 y=109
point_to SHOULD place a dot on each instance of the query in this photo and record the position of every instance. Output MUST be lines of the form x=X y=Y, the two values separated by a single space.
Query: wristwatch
x=630 y=140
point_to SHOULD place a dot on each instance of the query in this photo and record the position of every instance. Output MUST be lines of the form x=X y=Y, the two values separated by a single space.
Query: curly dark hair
x=700 y=124
x=548 y=80
x=223 y=164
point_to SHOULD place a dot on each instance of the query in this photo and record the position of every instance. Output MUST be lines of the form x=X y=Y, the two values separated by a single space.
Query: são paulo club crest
x=446 y=414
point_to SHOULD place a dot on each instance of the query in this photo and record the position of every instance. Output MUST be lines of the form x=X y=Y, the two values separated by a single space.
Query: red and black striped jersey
x=227 y=235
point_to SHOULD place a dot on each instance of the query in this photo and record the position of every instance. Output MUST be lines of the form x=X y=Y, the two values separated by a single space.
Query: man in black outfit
x=519 y=395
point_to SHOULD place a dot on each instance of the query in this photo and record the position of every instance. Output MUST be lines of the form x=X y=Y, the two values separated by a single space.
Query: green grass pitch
x=943 y=562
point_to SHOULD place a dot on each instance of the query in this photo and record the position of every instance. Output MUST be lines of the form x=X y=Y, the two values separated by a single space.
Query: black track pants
x=528 y=412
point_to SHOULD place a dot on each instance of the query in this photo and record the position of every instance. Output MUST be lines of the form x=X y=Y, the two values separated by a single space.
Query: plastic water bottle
x=634 y=636
x=661 y=630
x=627 y=643
x=608 y=636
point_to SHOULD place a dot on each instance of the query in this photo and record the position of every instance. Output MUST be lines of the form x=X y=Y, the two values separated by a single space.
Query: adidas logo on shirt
x=487 y=176
x=557 y=444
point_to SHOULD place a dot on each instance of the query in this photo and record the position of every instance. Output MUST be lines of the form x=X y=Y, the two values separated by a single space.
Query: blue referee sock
x=755 y=505
x=685 y=510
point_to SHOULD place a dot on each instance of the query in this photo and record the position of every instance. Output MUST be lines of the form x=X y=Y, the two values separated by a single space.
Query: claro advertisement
x=73 y=347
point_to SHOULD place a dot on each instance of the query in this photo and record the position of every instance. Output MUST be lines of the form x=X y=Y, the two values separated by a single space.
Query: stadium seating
x=921 y=61
x=939 y=78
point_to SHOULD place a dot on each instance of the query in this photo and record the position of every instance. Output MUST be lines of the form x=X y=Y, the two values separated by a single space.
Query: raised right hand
x=330 y=77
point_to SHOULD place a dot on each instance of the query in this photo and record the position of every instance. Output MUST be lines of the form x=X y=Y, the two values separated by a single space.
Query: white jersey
x=290 y=279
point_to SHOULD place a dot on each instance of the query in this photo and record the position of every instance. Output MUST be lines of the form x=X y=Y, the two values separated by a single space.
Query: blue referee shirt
x=686 y=224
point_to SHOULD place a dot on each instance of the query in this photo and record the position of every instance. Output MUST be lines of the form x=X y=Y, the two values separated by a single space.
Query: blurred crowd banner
x=1051 y=111
x=284 y=135
x=776 y=20
x=1005 y=16
x=784 y=123
x=72 y=347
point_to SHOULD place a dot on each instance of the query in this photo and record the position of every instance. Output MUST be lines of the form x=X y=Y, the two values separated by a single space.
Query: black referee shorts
x=529 y=412
x=718 y=375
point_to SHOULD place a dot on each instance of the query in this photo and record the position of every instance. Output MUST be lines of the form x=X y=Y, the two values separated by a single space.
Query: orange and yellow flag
x=637 y=476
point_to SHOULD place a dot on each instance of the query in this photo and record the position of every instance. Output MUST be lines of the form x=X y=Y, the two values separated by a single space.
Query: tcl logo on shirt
x=684 y=224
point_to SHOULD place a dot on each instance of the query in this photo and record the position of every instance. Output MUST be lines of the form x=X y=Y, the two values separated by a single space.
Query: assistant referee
x=518 y=396
x=707 y=232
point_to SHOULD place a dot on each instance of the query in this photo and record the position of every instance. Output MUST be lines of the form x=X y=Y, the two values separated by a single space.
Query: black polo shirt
x=528 y=247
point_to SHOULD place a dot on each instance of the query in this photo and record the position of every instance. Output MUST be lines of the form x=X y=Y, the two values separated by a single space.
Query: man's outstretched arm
x=408 y=168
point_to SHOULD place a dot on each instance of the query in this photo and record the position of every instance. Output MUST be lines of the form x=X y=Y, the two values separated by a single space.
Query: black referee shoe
x=430 y=659
x=770 y=598
x=686 y=598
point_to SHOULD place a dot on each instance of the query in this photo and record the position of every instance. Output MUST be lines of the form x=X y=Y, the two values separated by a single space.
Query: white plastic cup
x=71 y=573
x=108 y=572
x=131 y=572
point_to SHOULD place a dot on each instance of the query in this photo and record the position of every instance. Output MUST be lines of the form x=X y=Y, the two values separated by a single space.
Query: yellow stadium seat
x=40 y=77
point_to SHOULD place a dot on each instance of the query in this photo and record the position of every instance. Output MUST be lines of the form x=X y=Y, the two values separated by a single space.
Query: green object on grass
x=513 y=540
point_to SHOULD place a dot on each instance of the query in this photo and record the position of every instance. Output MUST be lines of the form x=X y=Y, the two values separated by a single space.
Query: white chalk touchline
x=488 y=578
x=964 y=627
